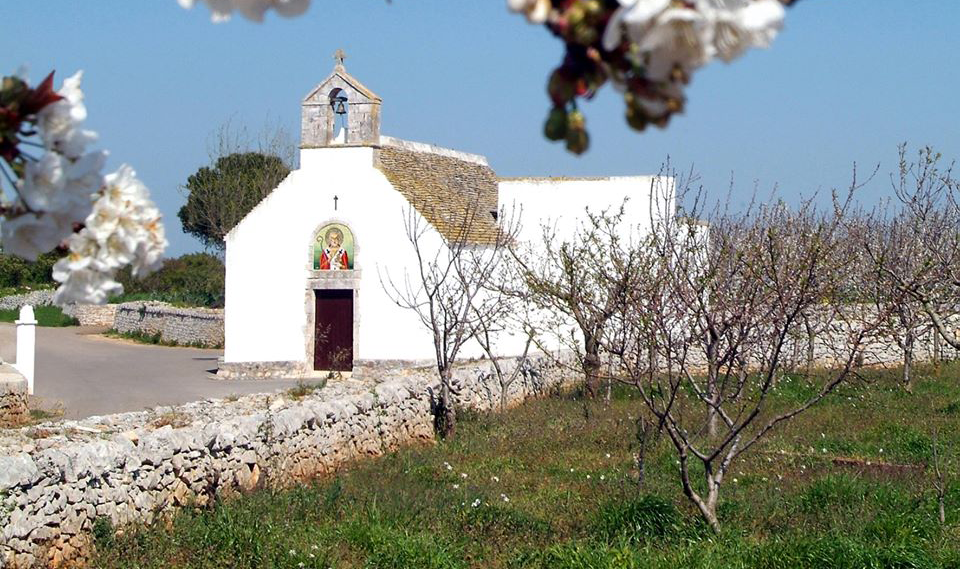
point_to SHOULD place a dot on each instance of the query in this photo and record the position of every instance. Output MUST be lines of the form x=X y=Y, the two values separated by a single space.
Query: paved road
x=92 y=375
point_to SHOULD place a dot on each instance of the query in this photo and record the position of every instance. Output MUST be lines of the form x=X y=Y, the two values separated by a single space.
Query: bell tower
x=340 y=111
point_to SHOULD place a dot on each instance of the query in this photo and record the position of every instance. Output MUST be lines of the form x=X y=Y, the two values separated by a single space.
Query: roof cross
x=339 y=56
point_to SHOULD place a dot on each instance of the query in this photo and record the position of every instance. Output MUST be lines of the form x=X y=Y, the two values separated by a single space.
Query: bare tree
x=445 y=288
x=939 y=482
x=583 y=281
x=485 y=331
x=703 y=338
x=895 y=257
x=928 y=229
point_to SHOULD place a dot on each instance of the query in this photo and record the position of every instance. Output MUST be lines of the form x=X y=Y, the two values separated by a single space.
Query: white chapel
x=305 y=268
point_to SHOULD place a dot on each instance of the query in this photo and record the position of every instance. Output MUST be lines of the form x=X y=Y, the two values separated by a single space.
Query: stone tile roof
x=456 y=194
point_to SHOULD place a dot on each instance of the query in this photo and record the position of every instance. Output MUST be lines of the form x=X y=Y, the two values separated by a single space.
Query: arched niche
x=340 y=109
x=334 y=248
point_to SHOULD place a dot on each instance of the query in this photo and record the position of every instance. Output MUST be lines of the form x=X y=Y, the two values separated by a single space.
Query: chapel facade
x=306 y=269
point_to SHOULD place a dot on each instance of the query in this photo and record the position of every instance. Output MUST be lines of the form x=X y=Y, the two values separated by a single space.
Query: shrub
x=17 y=273
x=196 y=279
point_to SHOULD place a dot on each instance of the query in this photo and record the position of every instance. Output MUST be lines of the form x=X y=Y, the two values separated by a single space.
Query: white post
x=26 y=344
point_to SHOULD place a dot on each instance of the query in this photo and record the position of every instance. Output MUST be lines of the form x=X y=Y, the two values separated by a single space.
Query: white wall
x=563 y=202
x=268 y=255
x=559 y=206
x=268 y=261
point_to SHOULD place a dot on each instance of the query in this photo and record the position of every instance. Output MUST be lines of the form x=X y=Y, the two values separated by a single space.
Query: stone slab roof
x=455 y=192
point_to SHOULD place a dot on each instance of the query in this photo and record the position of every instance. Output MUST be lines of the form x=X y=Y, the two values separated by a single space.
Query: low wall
x=34 y=298
x=92 y=314
x=186 y=326
x=13 y=397
x=57 y=478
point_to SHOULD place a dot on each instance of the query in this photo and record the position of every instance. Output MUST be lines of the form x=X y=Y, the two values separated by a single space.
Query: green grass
x=45 y=315
x=551 y=485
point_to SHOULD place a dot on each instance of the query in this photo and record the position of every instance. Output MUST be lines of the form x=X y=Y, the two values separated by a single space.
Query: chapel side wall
x=561 y=203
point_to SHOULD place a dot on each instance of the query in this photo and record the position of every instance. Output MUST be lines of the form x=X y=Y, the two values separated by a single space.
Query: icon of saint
x=334 y=256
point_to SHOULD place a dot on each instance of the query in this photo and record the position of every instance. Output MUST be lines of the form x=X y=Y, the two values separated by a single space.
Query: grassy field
x=45 y=315
x=551 y=485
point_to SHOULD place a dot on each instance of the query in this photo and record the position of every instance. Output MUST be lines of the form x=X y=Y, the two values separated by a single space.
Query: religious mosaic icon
x=333 y=248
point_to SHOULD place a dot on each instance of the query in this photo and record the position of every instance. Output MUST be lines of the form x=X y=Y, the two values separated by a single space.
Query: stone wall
x=13 y=397
x=185 y=326
x=33 y=298
x=57 y=478
x=92 y=314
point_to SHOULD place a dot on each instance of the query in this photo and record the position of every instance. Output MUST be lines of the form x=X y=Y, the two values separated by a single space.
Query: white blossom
x=30 y=234
x=222 y=10
x=536 y=11
x=124 y=228
x=690 y=35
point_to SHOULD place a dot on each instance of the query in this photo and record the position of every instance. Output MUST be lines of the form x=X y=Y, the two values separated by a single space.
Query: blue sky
x=845 y=82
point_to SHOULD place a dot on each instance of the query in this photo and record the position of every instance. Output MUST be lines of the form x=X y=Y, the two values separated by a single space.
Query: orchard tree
x=220 y=195
x=445 y=289
x=741 y=300
x=918 y=254
x=581 y=284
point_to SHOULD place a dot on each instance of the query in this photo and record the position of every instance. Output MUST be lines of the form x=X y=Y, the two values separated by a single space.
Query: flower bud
x=577 y=141
x=636 y=118
x=556 y=126
x=561 y=88
x=576 y=120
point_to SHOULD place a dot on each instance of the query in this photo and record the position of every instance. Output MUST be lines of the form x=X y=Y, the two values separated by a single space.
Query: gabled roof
x=453 y=192
x=340 y=72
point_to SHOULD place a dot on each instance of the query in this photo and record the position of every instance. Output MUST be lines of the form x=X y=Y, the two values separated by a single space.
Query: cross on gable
x=339 y=56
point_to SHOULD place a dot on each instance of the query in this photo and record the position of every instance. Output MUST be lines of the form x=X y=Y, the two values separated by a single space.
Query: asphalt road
x=89 y=374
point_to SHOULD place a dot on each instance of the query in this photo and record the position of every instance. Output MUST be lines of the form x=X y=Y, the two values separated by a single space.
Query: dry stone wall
x=57 y=479
x=92 y=314
x=33 y=298
x=13 y=397
x=186 y=326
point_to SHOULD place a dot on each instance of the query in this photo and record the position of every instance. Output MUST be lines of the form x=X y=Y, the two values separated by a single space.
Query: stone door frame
x=326 y=280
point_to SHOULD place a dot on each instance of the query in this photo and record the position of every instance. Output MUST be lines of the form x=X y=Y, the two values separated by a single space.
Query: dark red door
x=333 y=334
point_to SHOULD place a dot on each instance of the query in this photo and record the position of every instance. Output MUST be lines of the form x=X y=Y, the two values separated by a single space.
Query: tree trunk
x=708 y=507
x=937 y=347
x=591 y=365
x=908 y=362
x=446 y=417
x=811 y=343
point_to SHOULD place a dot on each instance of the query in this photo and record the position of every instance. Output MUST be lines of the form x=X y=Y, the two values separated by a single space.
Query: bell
x=341 y=109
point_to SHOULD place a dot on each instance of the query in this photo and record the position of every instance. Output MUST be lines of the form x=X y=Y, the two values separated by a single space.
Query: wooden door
x=333 y=331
